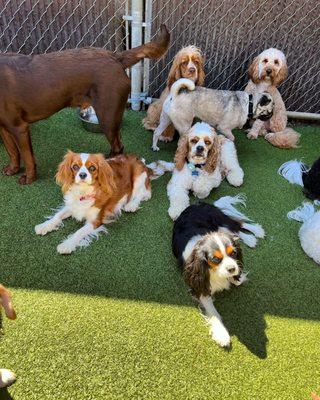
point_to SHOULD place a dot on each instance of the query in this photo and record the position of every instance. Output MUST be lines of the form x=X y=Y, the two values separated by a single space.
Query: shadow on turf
x=5 y=395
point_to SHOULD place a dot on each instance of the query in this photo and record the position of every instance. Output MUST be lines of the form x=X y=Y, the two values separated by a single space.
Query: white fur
x=139 y=193
x=292 y=172
x=309 y=232
x=183 y=181
x=248 y=239
x=7 y=378
x=190 y=246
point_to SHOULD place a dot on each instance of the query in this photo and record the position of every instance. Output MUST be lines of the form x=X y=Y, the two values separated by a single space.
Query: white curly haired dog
x=202 y=160
x=309 y=232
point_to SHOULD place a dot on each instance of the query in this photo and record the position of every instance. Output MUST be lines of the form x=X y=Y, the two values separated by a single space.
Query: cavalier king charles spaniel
x=205 y=242
x=7 y=377
x=96 y=190
x=267 y=71
x=187 y=63
x=202 y=160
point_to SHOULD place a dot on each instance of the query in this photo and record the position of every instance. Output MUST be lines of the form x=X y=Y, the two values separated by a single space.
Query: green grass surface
x=115 y=321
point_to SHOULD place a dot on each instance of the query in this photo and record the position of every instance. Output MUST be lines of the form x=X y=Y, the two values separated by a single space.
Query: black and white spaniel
x=205 y=242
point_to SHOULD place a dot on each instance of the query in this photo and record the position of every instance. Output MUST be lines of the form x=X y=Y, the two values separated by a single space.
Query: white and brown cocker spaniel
x=267 y=71
x=202 y=160
x=187 y=63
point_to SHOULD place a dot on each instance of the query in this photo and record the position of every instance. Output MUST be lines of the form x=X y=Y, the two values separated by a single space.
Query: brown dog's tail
x=154 y=49
x=5 y=302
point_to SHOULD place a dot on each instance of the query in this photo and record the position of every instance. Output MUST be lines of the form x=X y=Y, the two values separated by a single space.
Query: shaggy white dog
x=202 y=160
x=309 y=232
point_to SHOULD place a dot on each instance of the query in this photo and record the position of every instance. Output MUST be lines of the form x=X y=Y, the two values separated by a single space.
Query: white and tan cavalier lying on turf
x=202 y=160
x=96 y=190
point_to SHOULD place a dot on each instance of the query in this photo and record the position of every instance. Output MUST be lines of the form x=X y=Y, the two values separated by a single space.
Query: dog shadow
x=5 y=395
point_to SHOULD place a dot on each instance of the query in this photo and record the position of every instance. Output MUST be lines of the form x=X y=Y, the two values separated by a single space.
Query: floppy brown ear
x=281 y=75
x=175 y=72
x=201 y=73
x=105 y=175
x=254 y=70
x=196 y=275
x=5 y=302
x=181 y=152
x=213 y=156
x=64 y=175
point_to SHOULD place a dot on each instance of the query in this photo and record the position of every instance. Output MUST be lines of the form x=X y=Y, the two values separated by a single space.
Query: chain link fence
x=232 y=32
x=41 y=26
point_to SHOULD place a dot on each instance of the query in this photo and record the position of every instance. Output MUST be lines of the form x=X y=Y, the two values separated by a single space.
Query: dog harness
x=250 y=107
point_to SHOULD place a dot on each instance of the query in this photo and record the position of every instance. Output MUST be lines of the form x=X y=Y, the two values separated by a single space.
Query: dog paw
x=43 y=229
x=235 y=178
x=131 y=207
x=155 y=148
x=174 y=213
x=65 y=248
x=252 y=135
x=219 y=333
x=9 y=171
x=7 y=378
x=25 y=180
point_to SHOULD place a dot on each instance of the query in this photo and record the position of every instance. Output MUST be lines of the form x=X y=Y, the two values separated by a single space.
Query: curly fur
x=218 y=159
x=178 y=70
x=266 y=72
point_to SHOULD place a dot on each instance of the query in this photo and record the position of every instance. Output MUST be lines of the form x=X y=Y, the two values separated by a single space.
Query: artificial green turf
x=115 y=321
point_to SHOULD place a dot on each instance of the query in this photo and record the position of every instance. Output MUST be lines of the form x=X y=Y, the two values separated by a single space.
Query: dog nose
x=192 y=70
x=268 y=71
x=232 y=270
x=200 y=149
x=83 y=175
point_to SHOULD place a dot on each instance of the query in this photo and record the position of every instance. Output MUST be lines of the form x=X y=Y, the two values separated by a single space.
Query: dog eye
x=215 y=260
x=75 y=167
x=207 y=142
x=265 y=60
x=276 y=62
x=92 y=168
x=194 y=141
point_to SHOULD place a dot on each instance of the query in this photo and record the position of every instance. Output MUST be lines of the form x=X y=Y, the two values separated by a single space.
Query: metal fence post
x=136 y=40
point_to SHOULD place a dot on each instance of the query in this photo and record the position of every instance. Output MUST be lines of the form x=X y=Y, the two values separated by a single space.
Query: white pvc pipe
x=136 y=40
x=303 y=115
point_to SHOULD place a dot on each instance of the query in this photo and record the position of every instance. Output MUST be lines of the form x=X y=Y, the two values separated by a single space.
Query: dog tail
x=154 y=49
x=182 y=83
x=288 y=139
x=5 y=302
x=226 y=205
x=302 y=213
x=158 y=168
x=292 y=171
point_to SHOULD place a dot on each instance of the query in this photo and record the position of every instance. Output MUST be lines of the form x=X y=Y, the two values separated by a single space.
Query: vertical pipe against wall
x=136 y=40
x=147 y=38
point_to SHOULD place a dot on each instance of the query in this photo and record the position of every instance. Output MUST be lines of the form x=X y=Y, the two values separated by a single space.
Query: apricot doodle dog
x=267 y=71
x=187 y=63
x=33 y=87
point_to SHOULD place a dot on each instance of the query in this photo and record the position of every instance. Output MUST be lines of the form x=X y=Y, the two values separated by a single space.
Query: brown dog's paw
x=24 y=180
x=8 y=170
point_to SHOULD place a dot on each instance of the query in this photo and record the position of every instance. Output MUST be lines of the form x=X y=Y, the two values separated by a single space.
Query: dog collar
x=250 y=107
x=87 y=197
x=194 y=168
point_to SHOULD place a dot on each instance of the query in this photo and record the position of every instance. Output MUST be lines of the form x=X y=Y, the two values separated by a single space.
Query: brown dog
x=35 y=87
x=7 y=377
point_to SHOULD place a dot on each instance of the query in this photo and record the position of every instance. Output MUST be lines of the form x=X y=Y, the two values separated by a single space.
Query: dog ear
x=181 y=152
x=196 y=275
x=254 y=70
x=201 y=73
x=174 y=73
x=5 y=302
x=64 y=175
x=281 y=75
x=214 y=155
x=105 y=175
